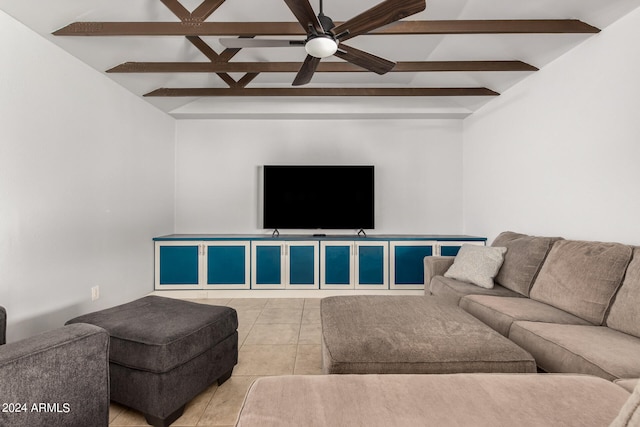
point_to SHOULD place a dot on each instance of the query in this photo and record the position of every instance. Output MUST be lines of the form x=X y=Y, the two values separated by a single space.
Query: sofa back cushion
x=624 y=315
x=582 y=277
x=522 y=262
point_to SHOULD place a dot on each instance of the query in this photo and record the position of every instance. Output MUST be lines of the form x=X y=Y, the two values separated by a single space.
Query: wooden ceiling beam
x=297 y=91
x=214 y=57
x=246 y=79
x=325 y=66
x=529 y=26
x=178 y=9
x=503 y=26
x=206 y=9
x=202 y=12
x=204 y=48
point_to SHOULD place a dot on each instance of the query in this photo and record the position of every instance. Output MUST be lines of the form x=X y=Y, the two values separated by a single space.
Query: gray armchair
x=3 y=325
x=56 y=378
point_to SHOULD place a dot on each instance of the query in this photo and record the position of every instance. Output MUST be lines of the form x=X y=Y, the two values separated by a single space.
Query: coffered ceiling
x=450 y=59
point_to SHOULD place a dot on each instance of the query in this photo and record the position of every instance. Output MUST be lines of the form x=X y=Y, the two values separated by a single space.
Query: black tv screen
x=318 y=197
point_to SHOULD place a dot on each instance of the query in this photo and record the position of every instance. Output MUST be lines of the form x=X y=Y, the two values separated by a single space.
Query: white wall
x=559 y=153
x=418 y=169
x=86 y=181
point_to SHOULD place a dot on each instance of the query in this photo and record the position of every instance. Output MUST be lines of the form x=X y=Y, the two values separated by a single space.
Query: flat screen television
x=318 y=197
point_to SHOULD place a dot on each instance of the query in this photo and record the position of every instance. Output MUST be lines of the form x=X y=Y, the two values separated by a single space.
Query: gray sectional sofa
x=574 y=305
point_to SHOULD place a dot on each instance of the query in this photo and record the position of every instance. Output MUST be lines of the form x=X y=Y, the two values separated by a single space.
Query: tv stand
x=275 y=233
x=335 y=263
x=362 y=233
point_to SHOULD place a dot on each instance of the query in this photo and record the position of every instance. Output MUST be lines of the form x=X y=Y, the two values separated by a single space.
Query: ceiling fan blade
x=239 y=43
x=365 y=60
x=382 y=14
x=304 y=13
x=306 y=71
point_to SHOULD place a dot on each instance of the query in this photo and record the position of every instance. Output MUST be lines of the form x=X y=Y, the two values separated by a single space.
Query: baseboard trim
x=279 y=293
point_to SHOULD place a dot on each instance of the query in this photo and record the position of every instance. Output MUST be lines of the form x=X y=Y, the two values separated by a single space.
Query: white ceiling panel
x=105 y=52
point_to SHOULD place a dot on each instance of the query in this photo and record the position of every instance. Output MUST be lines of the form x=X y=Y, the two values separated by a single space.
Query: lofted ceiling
x=451 y=58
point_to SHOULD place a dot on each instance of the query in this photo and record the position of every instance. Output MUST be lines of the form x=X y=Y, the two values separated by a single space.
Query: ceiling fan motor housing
x=326 y=22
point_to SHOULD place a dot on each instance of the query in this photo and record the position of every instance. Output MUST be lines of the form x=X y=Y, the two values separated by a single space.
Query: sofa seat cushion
x=629 y=415
x=582 y=277
x=523 y=260
x=388 y=334
x=628 y=384
x=593 y=350
x=624 y=315
x=453 y=289
x=501 y=312
x=479 y=400
x=157 y=334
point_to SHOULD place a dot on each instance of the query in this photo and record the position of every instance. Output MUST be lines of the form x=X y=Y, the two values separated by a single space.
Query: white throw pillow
x=477 y=265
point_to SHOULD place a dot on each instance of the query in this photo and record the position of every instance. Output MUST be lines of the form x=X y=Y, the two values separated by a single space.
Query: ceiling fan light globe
x=321 y=46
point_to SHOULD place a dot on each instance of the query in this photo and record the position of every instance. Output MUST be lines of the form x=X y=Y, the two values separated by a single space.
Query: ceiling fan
x=324 y=38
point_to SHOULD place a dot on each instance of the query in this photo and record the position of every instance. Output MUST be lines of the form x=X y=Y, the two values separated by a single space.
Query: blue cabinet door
x=302 y=265
x=336 y=265
x=227 y=265
x=372 y=266
x=407 y=263
x=178 y=265
x=452 y=248
x=449 y=250
x=268 y=265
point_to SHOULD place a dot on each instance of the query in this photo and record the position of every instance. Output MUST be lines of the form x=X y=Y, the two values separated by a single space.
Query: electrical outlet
x=95 y=293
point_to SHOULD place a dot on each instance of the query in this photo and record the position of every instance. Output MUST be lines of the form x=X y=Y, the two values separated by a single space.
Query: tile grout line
x=249 y=332
x=295 y=360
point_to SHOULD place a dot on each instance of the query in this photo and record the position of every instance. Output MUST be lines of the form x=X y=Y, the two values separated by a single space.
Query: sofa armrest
x=3 y=325
x=435 y=266
x=60 y=377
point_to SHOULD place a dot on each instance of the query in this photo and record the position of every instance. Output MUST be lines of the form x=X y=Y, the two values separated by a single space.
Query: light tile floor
x=275 y=337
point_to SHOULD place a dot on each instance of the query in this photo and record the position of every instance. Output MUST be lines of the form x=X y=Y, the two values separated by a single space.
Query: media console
x=288 y=262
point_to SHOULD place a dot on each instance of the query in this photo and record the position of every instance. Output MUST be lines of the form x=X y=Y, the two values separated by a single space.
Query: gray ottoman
x=411 y=335
x=164 y=352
